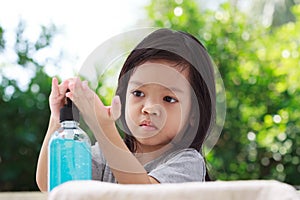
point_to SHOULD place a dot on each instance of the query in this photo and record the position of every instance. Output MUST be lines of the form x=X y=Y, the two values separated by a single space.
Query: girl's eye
x=138 y=93
x=170 y=99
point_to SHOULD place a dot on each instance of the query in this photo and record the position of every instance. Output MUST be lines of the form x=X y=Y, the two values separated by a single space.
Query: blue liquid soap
x=69 y=154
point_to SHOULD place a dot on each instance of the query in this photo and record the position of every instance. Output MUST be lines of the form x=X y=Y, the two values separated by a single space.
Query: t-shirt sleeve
x=98 y=162
x=184 y=166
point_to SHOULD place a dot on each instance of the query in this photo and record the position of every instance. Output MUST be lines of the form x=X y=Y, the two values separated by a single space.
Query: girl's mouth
x=148 y=126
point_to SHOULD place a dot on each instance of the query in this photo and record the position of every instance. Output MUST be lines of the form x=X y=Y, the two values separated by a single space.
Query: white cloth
x=218 y=190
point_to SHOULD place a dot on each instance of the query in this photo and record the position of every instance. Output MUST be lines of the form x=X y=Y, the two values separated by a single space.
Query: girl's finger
x=78 y=86
x=76 y=92
x=63 y=87
x=85 y=85
x=74 y=85
x=116 y=108
x=70 y=96
x=54 y=87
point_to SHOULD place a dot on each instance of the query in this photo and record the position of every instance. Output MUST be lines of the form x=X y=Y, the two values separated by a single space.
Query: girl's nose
x=153 y=109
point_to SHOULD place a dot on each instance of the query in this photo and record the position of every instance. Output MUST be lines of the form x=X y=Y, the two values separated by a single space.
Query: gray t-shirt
x=185 y=165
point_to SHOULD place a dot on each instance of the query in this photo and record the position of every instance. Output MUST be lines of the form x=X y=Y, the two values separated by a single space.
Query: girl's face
x=158 y=103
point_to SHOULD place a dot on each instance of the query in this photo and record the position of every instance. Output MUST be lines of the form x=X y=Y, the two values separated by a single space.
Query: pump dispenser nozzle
x=69 y=112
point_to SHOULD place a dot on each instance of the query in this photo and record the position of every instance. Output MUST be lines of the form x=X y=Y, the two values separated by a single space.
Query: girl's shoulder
x=184 y=154
x=182 y=165
x=178 y=155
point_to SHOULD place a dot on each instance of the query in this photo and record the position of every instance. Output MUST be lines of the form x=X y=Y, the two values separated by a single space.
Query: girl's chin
x=145 y=132
x=151 y=144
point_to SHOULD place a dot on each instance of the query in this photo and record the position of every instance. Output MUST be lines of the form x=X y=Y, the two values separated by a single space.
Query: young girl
x=165 y=105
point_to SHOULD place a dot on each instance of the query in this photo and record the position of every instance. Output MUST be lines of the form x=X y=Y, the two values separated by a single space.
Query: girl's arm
x=101 y=120
x=56 y=101
x=42 y=165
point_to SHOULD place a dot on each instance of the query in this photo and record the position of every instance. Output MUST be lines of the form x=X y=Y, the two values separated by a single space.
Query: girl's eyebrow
x=177 y=90
x=173 y=89
x=135 y=83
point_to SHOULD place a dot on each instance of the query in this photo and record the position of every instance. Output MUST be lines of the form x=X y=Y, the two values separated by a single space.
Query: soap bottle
x=69 y=150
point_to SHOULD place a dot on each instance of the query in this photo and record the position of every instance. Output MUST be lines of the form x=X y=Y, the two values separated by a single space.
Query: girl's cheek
x=132 y=100
x=131 y=105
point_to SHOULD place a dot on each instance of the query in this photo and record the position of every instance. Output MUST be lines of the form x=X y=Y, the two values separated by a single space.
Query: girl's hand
x=91 y=107
x=57 y=98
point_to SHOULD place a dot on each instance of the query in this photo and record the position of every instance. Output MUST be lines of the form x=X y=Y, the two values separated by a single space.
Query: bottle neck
x=69 y=124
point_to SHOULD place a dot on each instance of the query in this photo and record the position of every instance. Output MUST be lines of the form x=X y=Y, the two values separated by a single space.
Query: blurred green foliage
x=259 y=66
x=260 y=69
x=24 y=111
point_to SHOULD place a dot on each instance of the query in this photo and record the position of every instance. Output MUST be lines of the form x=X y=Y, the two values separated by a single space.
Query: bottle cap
x=69 y=112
